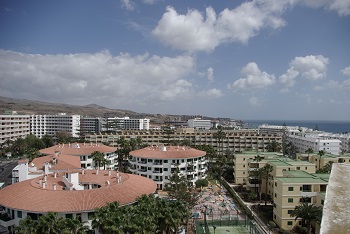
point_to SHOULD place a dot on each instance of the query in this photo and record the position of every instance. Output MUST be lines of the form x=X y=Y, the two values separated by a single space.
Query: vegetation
x=273 y=146
x=51 y=224
x=309 y=213
x=147 y=215
x=98 y=158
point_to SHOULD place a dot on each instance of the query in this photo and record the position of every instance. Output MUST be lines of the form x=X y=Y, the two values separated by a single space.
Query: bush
x=301 y=230
x=202 y=183
x=272 y=224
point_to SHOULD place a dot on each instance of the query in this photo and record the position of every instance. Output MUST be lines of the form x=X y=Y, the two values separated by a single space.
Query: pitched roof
x=30 y=196
x=78 y=149
x=167 y=152
x=62 y=162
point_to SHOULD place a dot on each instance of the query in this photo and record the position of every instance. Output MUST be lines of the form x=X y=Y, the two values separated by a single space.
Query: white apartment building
x=13 y=126
x=202 y=124
x=303 y=141
x=159 y=162
x=125 y=123
x=90 y=125
x=41 y=125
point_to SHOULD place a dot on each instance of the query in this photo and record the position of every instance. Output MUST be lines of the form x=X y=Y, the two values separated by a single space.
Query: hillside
x=24 y=106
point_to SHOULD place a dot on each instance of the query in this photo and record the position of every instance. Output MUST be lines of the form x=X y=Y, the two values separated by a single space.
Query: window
x=290 y=200
x=91 y=215
x=19 y=214
x=165 y=161
x=69 y=216
x=290 y=223
x=290 y=211
x=150 y=160
x=183 y=160
x=165 y=169
x=322 y=202
x=275 y=184
x=305 y=168
x=290 y=188
x=298 y=168
x=275 y=194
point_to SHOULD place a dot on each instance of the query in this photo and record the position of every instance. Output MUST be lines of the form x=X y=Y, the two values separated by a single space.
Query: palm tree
x=309 y=213
x=320 y=154
x=267 y=169
x=50 y=223
x=98 y=158
x=27 y=226
x=309 y=151
x=108 y=219
x=220 y=135
x=75 y=226
x=273 y=146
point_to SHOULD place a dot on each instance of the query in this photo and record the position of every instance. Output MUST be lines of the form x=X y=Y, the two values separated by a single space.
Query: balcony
x=308 y=194
x=157 y=172
x=157 y=163
x=6 y=221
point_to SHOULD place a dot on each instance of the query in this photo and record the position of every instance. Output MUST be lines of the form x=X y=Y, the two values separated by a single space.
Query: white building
x=41 y=125
x=203 y=124
x=90 y=125
x=83 y=151
x=125 y=123
x=158 y=163
x=69 y=191
x=13 y=126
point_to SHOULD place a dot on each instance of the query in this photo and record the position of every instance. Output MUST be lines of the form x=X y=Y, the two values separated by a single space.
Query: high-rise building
x=13 y=126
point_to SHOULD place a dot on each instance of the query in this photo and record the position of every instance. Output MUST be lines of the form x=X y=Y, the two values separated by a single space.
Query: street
x=6 y=171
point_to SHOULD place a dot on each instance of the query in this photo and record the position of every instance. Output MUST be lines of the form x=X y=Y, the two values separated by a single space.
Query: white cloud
x=332 y=84
x=340 y=6
x=346 y=71
x=310 y=67
x=253 y=78
x=128 y=5
x=210 y=74
x=254 y=101
x=211 y=93
x=151 y=1
x=99 y=77
x=195 y=31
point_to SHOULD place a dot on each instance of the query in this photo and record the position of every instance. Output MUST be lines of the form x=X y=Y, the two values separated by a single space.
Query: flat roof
x=301 y=180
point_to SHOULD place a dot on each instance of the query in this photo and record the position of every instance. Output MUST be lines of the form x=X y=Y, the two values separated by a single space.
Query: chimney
x=55 y=175
x=45 y=178
x=41 y=182
x=54 y=186
x=83 y=172
x=44 y=185
x=109 y=172
x=97 y=172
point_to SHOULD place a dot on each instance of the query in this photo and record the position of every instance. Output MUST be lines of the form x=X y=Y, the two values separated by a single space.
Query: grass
x=229 y=230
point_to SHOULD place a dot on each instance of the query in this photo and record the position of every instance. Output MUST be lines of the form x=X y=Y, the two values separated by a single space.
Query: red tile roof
x=78 y=149
x=168 y=152
x=62 y=162
x=30 y=196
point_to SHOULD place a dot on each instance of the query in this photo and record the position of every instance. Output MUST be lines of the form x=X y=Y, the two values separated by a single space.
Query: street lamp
x=214 y=228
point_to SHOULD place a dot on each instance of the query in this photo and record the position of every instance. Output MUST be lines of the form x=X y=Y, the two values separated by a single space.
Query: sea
x=322 y=125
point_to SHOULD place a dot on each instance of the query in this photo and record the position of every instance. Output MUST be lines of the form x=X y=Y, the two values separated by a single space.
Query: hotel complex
x=56 y=183
x=158 y=163
x=13 y=126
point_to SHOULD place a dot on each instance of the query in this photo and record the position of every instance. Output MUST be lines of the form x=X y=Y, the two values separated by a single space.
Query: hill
x=24 y=106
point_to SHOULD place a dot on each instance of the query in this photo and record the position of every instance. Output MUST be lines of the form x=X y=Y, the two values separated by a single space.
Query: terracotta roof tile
x=169 y=152
x=30 y=196
x=78 y=149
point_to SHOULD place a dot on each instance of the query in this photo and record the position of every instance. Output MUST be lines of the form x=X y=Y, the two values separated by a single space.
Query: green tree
x=123 y=151
x=220 y=135
x=47 y=140
x=267 y=169
x=309 y=213
x=273 y=146
x=320 y=154
x=50 y=223
x=309 y=151
x=181 y=189
x=19 y=147
x=326 y=169
x=27 y=226
x=33 y=153
x=98 y=158
x=75 y=226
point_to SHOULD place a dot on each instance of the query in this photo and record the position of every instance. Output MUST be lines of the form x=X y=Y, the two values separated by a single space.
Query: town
x=185 y=175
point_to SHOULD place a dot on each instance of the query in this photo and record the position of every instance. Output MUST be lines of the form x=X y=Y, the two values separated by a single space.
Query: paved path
x=6 y=171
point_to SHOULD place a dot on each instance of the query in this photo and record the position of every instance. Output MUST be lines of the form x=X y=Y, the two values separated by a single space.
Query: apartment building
x=124 y=123
x=158 y=163
x=200 y=124
x=13 y=126
x=233 y=140
x=41 y=125
x=61 y=186
x=83 y=151
x=90 y=125
x=322 y=160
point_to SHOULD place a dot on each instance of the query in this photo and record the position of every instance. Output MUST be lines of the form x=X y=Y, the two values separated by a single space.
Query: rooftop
x=78 y=149
x=30 y=195
x=167 y=152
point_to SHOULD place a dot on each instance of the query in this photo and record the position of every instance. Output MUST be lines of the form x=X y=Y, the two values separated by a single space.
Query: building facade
x=200 y=124
x=13 y=126
x=233 y=140
x=125 y=123
x=41 y=125
x=159 y=163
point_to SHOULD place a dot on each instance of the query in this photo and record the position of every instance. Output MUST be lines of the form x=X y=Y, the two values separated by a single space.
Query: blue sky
x=260 y=59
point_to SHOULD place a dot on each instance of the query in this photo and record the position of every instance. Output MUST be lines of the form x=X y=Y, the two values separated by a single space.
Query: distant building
x=41 y=125
x=90 y=125
x=13 y=126
x=125 y=123
x=158 y=163
x=200 y=124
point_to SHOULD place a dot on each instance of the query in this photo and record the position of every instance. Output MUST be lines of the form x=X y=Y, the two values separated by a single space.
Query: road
x=6 y=171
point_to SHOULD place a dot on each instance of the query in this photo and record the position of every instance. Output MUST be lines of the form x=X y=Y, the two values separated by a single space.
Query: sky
x=248 y=60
